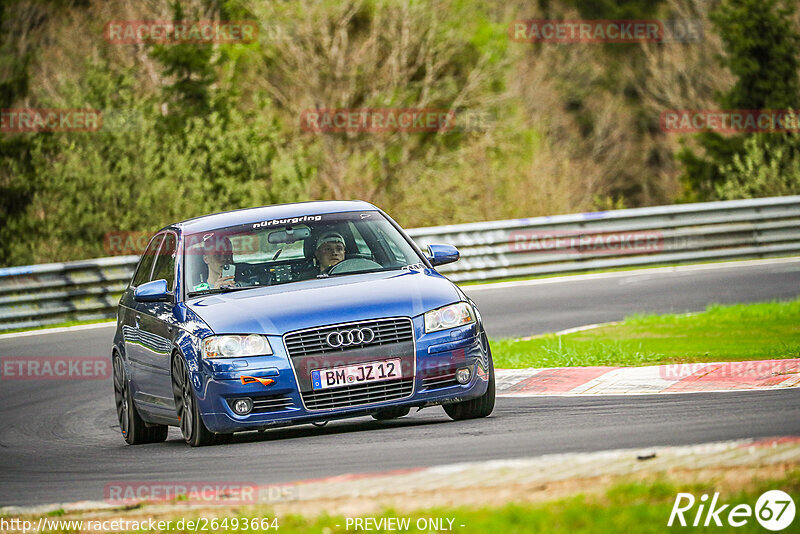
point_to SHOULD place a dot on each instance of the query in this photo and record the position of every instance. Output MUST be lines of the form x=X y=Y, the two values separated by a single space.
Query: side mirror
x=155 y=291
x=441 y=254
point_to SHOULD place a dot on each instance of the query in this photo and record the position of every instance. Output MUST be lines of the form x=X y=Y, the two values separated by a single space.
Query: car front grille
x=441 y=381
x=347 y=396
x=390 y=338
x=386 y=332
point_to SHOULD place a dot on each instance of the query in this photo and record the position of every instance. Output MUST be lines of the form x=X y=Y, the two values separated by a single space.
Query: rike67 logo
x=774 y=510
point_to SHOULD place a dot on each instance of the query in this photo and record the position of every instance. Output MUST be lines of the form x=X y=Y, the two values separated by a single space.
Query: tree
x=761 y=42
x=190 y=68
x=769 y=166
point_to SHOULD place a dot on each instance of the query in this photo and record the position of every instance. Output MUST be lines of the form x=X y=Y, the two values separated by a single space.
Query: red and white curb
x=676 y=378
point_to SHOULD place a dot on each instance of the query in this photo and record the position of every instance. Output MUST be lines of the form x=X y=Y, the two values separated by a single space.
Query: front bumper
x=438 y=355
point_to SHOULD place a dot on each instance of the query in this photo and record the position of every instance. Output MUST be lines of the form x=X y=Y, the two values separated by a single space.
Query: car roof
x=264 y=213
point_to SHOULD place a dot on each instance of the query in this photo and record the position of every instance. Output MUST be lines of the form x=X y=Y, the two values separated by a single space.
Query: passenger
x=217 y=253
x=329 y=251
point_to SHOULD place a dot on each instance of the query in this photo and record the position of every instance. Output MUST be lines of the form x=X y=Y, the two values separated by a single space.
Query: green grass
x=56 y=325
x=721 y=333
x=630 y=507
x=625 y=505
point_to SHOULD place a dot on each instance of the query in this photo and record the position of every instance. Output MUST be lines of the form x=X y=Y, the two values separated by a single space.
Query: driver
x=217 y=253
x=329 y=250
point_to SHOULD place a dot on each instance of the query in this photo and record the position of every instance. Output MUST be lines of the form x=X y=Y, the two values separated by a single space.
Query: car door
x=158 y=325
x=131 y=318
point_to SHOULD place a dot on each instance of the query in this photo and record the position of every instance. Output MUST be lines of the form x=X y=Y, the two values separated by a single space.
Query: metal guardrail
x=38 y=295
x=588 y=241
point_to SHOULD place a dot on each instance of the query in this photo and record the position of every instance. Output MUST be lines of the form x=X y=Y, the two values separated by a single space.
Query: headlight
x=236 y=346
x=449 y=316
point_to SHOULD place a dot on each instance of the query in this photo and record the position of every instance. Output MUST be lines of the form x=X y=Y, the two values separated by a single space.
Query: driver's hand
x=225 y=281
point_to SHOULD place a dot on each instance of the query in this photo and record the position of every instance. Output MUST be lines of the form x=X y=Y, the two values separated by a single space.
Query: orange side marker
x=253 y=379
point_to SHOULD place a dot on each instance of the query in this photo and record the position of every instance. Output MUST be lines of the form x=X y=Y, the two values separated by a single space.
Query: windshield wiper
x=218 y=290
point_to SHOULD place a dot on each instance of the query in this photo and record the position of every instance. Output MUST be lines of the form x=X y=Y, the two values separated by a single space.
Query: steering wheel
x=354 y=264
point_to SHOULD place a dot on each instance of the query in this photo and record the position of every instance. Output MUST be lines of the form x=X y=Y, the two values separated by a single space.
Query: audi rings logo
x=347 y=338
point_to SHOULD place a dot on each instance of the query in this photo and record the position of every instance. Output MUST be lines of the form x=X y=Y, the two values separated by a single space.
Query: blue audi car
x=291 y=314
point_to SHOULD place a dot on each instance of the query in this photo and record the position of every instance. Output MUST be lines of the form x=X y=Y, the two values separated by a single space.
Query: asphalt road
x=539 y=306
x=59 y=440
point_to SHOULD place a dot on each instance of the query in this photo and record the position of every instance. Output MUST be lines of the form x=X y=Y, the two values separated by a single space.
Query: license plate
x=361 y=373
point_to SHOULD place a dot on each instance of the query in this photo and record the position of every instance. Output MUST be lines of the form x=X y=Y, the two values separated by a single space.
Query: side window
x=165 y=261
x=146 y=262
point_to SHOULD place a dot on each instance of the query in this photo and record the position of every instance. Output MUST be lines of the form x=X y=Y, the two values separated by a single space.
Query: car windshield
x=281 y=251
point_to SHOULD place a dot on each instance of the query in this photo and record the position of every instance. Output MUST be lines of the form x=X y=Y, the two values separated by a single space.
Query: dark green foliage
x=616 y=9
x=190 y=69
x=762 y=46
x=196 y=128
x=702 y=174
x=768 y=166
x=137 y=177
x=184 y=151
x=762 y=52
x=16 y=193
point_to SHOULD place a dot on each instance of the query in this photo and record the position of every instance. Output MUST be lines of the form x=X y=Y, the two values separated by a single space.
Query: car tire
x=193 y=429
x=133 y=427
x=391 y=413
x=474 y=408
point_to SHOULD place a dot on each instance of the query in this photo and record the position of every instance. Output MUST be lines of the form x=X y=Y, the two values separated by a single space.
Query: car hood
x=283 y=308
